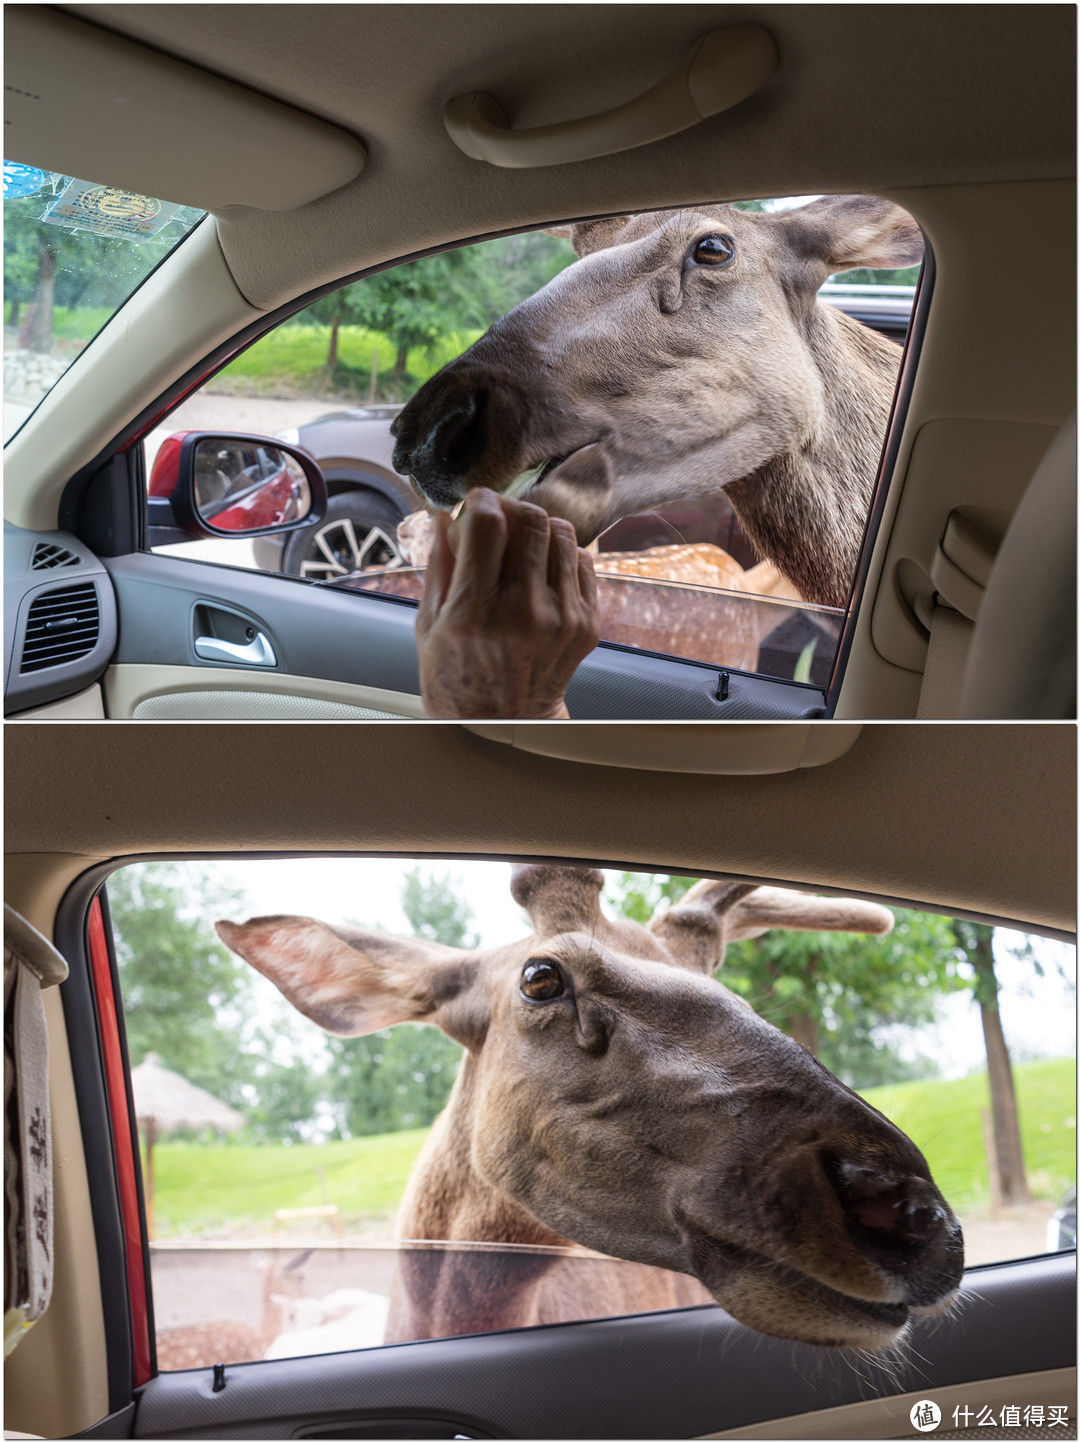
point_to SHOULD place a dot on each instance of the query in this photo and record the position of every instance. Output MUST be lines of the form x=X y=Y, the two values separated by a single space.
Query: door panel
x=658 y=1375
x=360 y=650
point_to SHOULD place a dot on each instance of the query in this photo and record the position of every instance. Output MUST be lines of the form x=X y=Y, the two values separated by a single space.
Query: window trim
x=81 y=1016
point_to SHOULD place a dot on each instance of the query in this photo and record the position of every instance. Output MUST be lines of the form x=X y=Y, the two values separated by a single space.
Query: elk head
x=630 y=1103
x=681 y=354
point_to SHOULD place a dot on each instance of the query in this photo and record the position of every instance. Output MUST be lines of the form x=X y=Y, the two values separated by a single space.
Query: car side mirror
x=212 y=483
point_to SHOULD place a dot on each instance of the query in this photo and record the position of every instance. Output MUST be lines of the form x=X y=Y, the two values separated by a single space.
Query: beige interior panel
x=132 y=685
x=182 y=311
x=83 y=706
x=803 y=131
x=983 y=465
x=891 y=1417
x=736 y=749
x=68 y=1341
x=970 y=818
x=235 y=147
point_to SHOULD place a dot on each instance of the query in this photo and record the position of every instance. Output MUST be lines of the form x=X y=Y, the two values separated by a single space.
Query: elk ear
x=845 y=232
x=347 y=981
x=559 y=899
x=587 y=236
x=712 y=914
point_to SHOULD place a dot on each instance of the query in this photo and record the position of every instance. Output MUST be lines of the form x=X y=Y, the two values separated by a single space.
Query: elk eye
x=714 y=250
x=541 y=981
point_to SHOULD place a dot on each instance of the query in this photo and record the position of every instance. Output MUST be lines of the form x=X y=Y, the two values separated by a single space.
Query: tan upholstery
x=1022 y=660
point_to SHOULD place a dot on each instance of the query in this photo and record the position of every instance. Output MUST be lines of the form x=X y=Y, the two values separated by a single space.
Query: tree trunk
x=36 y=331
x=331 y=355
x=804 y=1029
x=402 y=362
x=13 y=315
x=1010 y=1156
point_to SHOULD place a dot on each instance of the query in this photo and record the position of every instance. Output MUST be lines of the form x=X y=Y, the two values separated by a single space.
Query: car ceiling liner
x=87 y=103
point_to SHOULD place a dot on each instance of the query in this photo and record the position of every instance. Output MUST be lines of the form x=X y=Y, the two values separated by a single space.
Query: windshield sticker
x=20 y=180
x=106 y=210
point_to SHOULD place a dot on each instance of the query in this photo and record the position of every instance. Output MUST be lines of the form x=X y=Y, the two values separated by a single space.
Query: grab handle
x=723 y=68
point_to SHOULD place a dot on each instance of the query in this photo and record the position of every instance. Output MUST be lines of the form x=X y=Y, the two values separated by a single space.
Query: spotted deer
x=613 y=1095
x=201 y=1345
x=684 y=353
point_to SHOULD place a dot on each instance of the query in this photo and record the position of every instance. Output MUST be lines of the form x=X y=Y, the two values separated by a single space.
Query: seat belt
x=946 y=658
x=30 y=964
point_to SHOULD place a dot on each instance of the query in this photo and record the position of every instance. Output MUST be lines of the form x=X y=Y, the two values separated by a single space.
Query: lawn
x=216 y=1188
x=291 y=360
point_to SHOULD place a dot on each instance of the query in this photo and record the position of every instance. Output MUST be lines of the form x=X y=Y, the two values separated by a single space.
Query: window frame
x=82 y=1014
x=123 y=458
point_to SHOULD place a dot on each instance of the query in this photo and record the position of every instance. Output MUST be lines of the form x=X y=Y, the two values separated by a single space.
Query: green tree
x=424 y=301
x=975 y=942
x=46 y=265
x=400 y=1077
x=183 y=989
x=837 y=993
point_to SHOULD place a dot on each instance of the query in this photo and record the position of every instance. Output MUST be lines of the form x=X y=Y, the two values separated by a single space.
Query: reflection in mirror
x=245 y=486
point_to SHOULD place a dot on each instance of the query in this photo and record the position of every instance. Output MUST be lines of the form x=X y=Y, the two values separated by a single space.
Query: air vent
x=47 y=555
x=62 y=626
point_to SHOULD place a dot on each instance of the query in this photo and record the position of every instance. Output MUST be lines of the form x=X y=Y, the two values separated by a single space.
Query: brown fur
x=644 y=1113
x=654 y=377
x=675 y=618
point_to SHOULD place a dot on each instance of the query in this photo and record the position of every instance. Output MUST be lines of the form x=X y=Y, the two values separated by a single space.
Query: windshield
x=74 y=251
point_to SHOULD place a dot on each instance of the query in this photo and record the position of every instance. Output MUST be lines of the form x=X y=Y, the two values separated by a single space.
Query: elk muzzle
x=461 y=430
x=844 y=1244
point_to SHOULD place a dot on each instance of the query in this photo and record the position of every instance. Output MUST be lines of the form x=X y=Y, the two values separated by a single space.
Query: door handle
x=255 y=653
x=724 y=67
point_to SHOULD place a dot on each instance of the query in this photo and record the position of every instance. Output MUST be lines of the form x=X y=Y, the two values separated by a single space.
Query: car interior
x=888 y=812
x=318 y=162
x=886 y=776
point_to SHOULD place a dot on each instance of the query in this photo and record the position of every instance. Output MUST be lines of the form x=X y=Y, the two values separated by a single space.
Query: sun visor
x=89 y=104
x=710 y=748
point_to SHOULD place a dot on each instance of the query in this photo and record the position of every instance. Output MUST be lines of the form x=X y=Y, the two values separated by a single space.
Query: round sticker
x=119 y=204
x=21 y=180
x=926 y=1415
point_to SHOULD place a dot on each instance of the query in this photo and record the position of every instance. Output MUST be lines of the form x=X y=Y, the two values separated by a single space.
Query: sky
x=1039 y=1015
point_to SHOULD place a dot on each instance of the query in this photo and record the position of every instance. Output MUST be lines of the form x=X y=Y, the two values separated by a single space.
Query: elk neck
x=805 y=509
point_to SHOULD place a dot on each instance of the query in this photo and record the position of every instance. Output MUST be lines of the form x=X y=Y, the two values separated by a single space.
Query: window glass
x=684 y=373
x=275 y=1154
x=73 y=253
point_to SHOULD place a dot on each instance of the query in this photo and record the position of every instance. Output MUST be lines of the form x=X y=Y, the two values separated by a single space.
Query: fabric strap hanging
x=30 y=964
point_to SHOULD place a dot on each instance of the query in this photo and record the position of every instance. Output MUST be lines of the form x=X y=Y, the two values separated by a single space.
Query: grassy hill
x=216 y=1188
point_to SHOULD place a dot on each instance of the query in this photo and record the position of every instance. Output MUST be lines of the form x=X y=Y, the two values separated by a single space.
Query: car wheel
x=359 y=530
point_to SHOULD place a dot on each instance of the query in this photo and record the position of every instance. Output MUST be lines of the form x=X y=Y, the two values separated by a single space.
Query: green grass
x=294 y=356
x=944 y=1119
x=212 y=1188
x=291 y=360
x=215 y=1188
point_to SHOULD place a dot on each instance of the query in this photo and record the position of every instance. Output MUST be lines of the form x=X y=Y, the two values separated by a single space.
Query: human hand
x=509 y=611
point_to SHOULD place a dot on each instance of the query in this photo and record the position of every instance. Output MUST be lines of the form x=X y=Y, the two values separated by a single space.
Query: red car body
x=271 y=499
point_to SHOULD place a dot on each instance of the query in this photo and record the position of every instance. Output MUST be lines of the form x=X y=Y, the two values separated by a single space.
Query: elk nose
x=902 y=1222
x=906 y=1208
x=439 y=454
